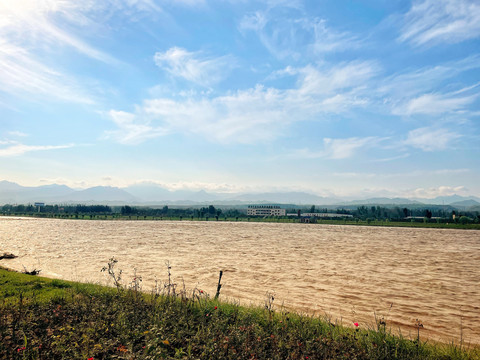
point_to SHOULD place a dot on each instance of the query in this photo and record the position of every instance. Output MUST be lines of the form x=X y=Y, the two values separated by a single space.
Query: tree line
x=433 y=213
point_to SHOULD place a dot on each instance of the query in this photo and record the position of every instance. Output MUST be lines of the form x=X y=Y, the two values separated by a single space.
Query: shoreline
x=361 y=223
x=469 y=346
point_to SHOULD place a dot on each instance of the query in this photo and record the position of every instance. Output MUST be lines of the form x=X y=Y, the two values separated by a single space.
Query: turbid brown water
x=349 y=273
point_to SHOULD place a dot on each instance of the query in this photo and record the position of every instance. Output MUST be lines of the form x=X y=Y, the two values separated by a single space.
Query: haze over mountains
x=151 y=194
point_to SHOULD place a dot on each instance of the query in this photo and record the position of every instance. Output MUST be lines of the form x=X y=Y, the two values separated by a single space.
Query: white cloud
x=345 y=148
x=32 y=23
x=130 y=129
x=393 y=158
x=355 y=175
x=430 y=22
x=254 y=114
x=344 y=75
x=337 y=149
x=17 y=134
x=433 y=192
x=193 y=3
x=16 y=149
x=423 y=91
x=413 y=83
x=431 y=138
x=434 y=104
x=296 y=36
x=21 y=74
x=245 y=116
x=329 y=40
x=194 y=66
x=31 y=30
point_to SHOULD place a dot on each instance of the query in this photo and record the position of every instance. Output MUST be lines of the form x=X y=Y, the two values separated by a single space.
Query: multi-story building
x=265 y=210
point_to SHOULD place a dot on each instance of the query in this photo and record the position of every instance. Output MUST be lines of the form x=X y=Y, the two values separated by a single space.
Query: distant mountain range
x=152 y=194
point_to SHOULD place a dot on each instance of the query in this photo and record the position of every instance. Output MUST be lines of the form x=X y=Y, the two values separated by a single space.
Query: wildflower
x=90 y=358
x=215 y=308
x=201 y=291
x=122 y=348
x=356 y=324
x=21 y=349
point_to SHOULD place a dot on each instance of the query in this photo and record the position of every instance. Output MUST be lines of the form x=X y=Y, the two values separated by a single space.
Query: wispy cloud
x=428 y=193
x=434 y=104
x=30 y=31
x=296 y=36
x=16 y=149
x=22 y=75
x=32 y=22
x=345 y=148
x=259 y=113
x=430 y=90
x=337 y=149
x=411 y=83
x=431 y=138
x=194 y=66
x=328 y=40
x=336 y=78
x=132 y=130
x=17 y=134
x=404 y=174
x=431 y=22
x=393 y=158
x=192 y=3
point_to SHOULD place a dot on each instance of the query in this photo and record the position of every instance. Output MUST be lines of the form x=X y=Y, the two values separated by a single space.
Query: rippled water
x=349 y=273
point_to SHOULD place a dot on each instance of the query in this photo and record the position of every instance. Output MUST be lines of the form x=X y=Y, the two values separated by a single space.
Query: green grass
x=50 y=319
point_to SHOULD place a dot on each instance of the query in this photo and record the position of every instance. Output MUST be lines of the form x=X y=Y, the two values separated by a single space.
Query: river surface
x=346 y=273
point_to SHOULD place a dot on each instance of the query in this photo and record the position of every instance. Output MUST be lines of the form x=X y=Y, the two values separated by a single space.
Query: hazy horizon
x=345 y=99
x=151 y=194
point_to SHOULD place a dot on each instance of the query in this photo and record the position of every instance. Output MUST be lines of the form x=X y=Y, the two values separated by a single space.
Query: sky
x=336 y=98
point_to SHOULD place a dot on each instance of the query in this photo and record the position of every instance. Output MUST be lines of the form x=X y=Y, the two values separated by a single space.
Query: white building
x=265 y=210
x=323 y=215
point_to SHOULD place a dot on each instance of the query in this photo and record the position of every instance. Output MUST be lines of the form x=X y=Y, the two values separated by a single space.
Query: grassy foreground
x=42 y=318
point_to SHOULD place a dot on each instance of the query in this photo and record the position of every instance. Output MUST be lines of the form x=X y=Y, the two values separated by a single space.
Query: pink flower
x=356 y=324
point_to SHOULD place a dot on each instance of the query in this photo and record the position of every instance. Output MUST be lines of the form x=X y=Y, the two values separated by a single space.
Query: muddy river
x=346 y=273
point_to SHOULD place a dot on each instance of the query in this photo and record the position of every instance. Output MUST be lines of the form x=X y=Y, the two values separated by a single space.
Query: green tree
x=212 y=210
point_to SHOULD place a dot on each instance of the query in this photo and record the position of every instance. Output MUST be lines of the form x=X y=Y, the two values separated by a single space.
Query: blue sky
x=337 y=98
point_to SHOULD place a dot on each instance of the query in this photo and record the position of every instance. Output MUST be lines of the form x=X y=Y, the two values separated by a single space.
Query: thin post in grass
x=219 y=286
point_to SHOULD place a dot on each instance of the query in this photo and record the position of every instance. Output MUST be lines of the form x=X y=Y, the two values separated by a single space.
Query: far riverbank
x=280 y=220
